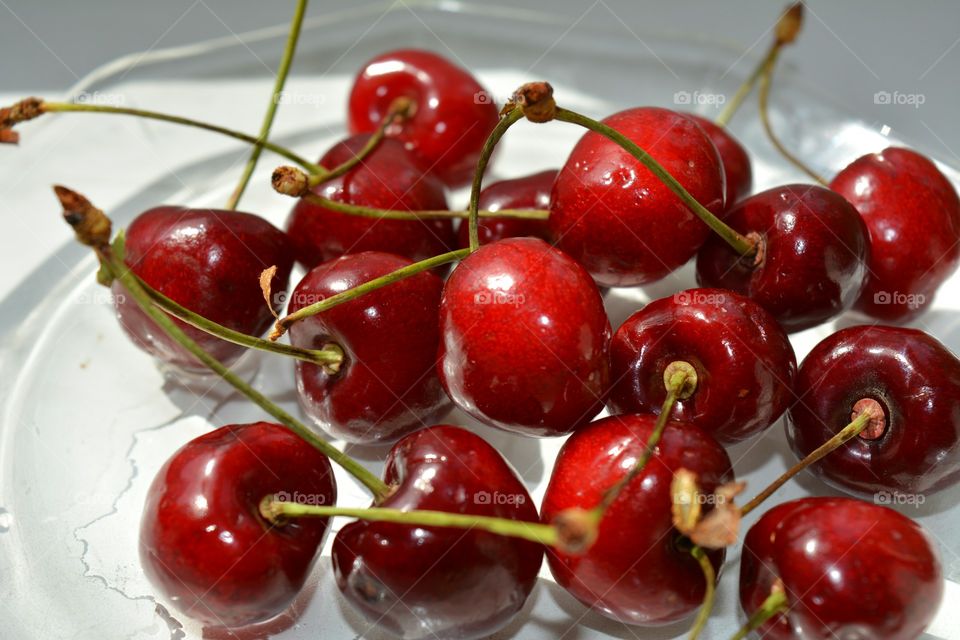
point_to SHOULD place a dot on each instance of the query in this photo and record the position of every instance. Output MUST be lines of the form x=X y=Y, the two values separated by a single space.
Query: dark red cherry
x=637 y=571
x=813 y=257
x=525 y=339
x=431 y=582
x=454 y=113
x=386 y=179
x=849 y=569
x=913 y=215
x=736 y=162
x=387 y=385
x=743 y=359
x=528 y=192
x=915 y=379
x=616 y=218
x=203 y=543
x=210 y=262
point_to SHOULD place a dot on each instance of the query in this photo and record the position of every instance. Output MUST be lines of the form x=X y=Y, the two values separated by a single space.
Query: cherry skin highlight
x=635 y=572
x=528 y=192
x=913 y=215
x=744 y=362
x=736 y=162
x=525 y=339
x=387 y=385
x=386 y=179
x=203 y=543
x=454 y=113
x=849 y=569
x=423 y=582
x=812 y=260
x=613 y=216
x=208 y=261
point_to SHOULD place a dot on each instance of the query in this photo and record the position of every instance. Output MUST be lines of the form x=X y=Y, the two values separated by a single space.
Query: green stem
x=429 y=214
x=740 y=244
x=493 y=139
x=731 y=107
x=710 y=578
x=377 y=283
x=775 y=603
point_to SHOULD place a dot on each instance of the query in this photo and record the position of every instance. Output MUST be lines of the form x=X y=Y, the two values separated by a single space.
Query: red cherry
x=915 y=379
x=387 y=385
x=635 y=572
x=454 y=113
x=386 y=179
x=203 y=543
x=913 y=215
x=209 y=261
x=744 y=362
x=423 y=582
x=524 y=338
x=528 y=192
x=736 y=162
x=849 y=569
x=616 y=218
x=813 y=257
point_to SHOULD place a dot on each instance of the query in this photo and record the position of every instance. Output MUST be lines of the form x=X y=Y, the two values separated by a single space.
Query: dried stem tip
x=26 y=109
x=91 y=225
x=290 y=181
x=789 y=25
x=536 y=101
x=576 y=530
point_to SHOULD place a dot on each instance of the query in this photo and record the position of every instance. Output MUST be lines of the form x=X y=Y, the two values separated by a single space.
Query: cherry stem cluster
x=775 y=604
x=506 y=121
x=425 y=214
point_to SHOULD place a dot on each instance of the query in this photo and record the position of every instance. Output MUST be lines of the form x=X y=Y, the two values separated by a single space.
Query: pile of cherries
x=516 y=336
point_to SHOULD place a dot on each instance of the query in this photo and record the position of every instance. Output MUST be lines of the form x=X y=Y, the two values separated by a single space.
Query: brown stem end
x=789 y=25
x=536 y=101
x=290 y=181
x=91 y=225
x=877 y=426
x=576 y=530
x=26 y=109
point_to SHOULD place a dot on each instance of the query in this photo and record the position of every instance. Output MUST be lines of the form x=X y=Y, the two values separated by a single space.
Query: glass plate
x=88 y=419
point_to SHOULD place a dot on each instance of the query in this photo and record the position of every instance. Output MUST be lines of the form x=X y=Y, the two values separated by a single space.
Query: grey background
x=853 y=48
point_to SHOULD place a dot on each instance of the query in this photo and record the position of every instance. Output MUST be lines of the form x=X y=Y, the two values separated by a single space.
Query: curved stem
x=69 y=107
x=740 y=243
x=493 y=139
x=846 y=434
x=744 y=90
x=429 y=214
x=775 y=603
x=295 y=23
x=710 y=578
x=377 y=283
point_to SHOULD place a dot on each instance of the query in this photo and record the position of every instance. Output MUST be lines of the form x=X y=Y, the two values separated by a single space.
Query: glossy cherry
x=423 y=582
x=454 y=113
x=915 y=379
x=849 y=569
x=617 y=219
x=736 y=162
x=913 y=215
x=210 y=262
x=388 y=178
x=525 y=339
x=528 y=192
x=387 y=384
x=813 y=256
x=203 y=543
x=744 y=362
x=636 y=571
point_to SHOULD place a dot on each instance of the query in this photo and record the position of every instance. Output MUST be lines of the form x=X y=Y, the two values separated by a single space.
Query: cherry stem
x=775 y=604
x=710 y=576
x=744 y=90
x=276 y=511
x=741 y=244
x=330 y=357
x=93 y=229
x=426 y=214
x=846 y=434
x=282 y=72
x=506 y=121
x=284 y=323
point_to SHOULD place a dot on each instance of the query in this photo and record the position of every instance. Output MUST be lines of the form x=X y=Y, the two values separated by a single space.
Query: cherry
x=524 y=338
x=528 y=192
x=913 y=215
x=636 y=571
x=812 y=259
x=427 y=582
x=916 y=381
x=209 y=261
x=743 y=360
x=736 y=162
x=203 y=543
x=386 y=179
x=849 y=569
x=611 y=214
x=454 y=113
x=387 y=385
